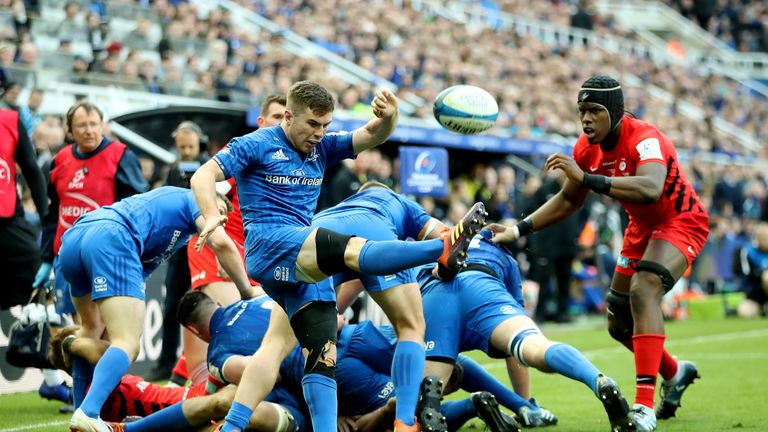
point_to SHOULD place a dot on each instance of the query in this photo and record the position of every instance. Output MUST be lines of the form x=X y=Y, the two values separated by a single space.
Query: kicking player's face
x=595 y=122
x=86 y=129
x=272 y=117
x=306 y=129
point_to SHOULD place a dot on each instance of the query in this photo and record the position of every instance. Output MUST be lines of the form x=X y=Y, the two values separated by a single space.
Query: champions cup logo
x=424 y=163
x=5 y=172
x=68 y=214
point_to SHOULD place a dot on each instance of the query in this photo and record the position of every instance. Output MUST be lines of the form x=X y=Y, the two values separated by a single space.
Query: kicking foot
x=82 y=423
x=402 y=427
x=60 y=392
x=643 y=418
x=456 y=240
x=672 y=390
x=538 y=417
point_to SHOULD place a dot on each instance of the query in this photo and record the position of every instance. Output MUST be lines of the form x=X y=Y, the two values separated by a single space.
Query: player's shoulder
x=638 y=130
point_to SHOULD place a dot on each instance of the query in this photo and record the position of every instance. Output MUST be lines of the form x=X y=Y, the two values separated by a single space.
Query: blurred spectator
x=72 y=25
x=29 y=113
x=140 y=37
x=97 y=32
x=728 y=196
x=583 y=16
x=10 y=96
x=753 y=269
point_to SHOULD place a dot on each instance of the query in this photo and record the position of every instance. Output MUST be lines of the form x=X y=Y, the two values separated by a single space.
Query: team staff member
x=19 y=256
x=633 y=162
x=90 y=173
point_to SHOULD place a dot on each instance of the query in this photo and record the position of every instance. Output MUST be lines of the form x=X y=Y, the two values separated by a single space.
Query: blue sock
x=568 y=361
x=237 y=418
x=167 y=419
x=106 y=376
x=320 y=394
x=82 y=374
x=407 y=369
x=391 y=256
x=478 y=379
x=457 y=413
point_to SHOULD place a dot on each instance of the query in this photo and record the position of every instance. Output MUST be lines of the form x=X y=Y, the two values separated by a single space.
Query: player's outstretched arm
x=203 y=185
x=379 y=128
x=229 y=258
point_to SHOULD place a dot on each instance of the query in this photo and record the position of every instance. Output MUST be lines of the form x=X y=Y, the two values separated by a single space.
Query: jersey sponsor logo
x=298 y=172
x=389 y=278
x=279 y=155
x=99 y=284
x=385 y=391
x=291 y=180
x=77 y=179
x=282 y=273
x=622 y=165
x=507 y=309
x=5 y=172
x=198 y=276
x=429 y=345
x=243 y=306
x=142 y=385
x=649 y=148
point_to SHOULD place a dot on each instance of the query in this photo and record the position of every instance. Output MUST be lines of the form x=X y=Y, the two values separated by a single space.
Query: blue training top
x=161 y=221
x=277 y=184
x=406 y=216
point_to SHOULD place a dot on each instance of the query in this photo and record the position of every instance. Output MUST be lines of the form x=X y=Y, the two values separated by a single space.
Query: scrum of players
x=280 y=358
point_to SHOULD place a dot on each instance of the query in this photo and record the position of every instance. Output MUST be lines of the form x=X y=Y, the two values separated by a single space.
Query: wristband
x=598 y=183
x=523 y=228
x=66 y=344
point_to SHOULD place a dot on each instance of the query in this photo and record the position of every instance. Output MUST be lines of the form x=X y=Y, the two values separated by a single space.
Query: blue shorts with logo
x=365 y=354
x=101 y=258
x=63 y=302
x=369 y=226
x=462 y=314
x=283 y=396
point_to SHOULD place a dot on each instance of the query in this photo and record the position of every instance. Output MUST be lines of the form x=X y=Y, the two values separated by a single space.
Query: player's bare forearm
x=375 y=133
x=554 y=210
x=636 y=189
x=203 y=185
x=230 y=260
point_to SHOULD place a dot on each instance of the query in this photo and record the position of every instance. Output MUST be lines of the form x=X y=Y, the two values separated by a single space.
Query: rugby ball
x=465 y=109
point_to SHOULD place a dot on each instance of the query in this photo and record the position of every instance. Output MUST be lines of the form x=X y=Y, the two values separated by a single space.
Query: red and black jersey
x=136 y=397
x=641 y=143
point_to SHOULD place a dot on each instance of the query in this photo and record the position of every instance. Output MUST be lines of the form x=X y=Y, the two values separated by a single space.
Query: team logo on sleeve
x=649 y=148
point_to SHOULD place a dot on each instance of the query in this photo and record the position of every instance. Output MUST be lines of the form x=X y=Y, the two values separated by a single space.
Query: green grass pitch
x=732 y=356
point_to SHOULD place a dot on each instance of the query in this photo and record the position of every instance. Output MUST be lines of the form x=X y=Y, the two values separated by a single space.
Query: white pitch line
x=674 y=342
x=34 y=426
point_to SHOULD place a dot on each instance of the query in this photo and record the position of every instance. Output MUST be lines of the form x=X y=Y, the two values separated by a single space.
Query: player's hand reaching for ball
x=565 y=163
x=211 y=224
x=384 y=104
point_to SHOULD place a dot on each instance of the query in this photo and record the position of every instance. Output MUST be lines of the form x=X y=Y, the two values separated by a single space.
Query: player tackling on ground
x=631 y=161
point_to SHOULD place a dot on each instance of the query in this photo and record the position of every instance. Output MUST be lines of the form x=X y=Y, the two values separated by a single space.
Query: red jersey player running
x=631 y=161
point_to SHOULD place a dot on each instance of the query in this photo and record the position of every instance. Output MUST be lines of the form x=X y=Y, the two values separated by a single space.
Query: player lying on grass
x=482 y=308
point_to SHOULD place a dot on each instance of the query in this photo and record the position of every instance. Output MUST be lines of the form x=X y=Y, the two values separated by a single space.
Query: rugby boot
x=428 y=413
x=402 y=427
x=116 y=427
x=217 y=426
x=536 y=417
x=80 y=422
x=456 y=240
x=643 y=418
x=488 y=410
x=672 y=390
x=614 y=403
x=60 y=392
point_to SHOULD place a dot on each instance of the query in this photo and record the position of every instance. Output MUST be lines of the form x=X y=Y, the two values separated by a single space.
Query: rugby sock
x=167 y=419
x=668 y=367
x=82 y=373
x=457 y=413
x=478 y=379
x=407 y=369
x=237 y=418
x=320 y=395
x=106 y=375
x=391 y=256
x=568 y=361
x=648 y=349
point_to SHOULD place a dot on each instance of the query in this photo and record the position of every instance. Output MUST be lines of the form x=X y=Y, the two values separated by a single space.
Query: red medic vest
x=9 y=140
x=83 y=185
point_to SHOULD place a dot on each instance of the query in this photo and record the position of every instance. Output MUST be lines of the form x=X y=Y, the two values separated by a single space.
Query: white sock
x=52 y=377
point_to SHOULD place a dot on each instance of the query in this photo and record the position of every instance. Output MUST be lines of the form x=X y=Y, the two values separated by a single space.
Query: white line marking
x=34 y=426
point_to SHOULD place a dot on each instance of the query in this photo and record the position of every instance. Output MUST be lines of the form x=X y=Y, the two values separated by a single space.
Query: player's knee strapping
x=618 y=306
x=285 y=421
x=667 y=281
x=330 y=247
x=518 y=340
x=315 y=327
